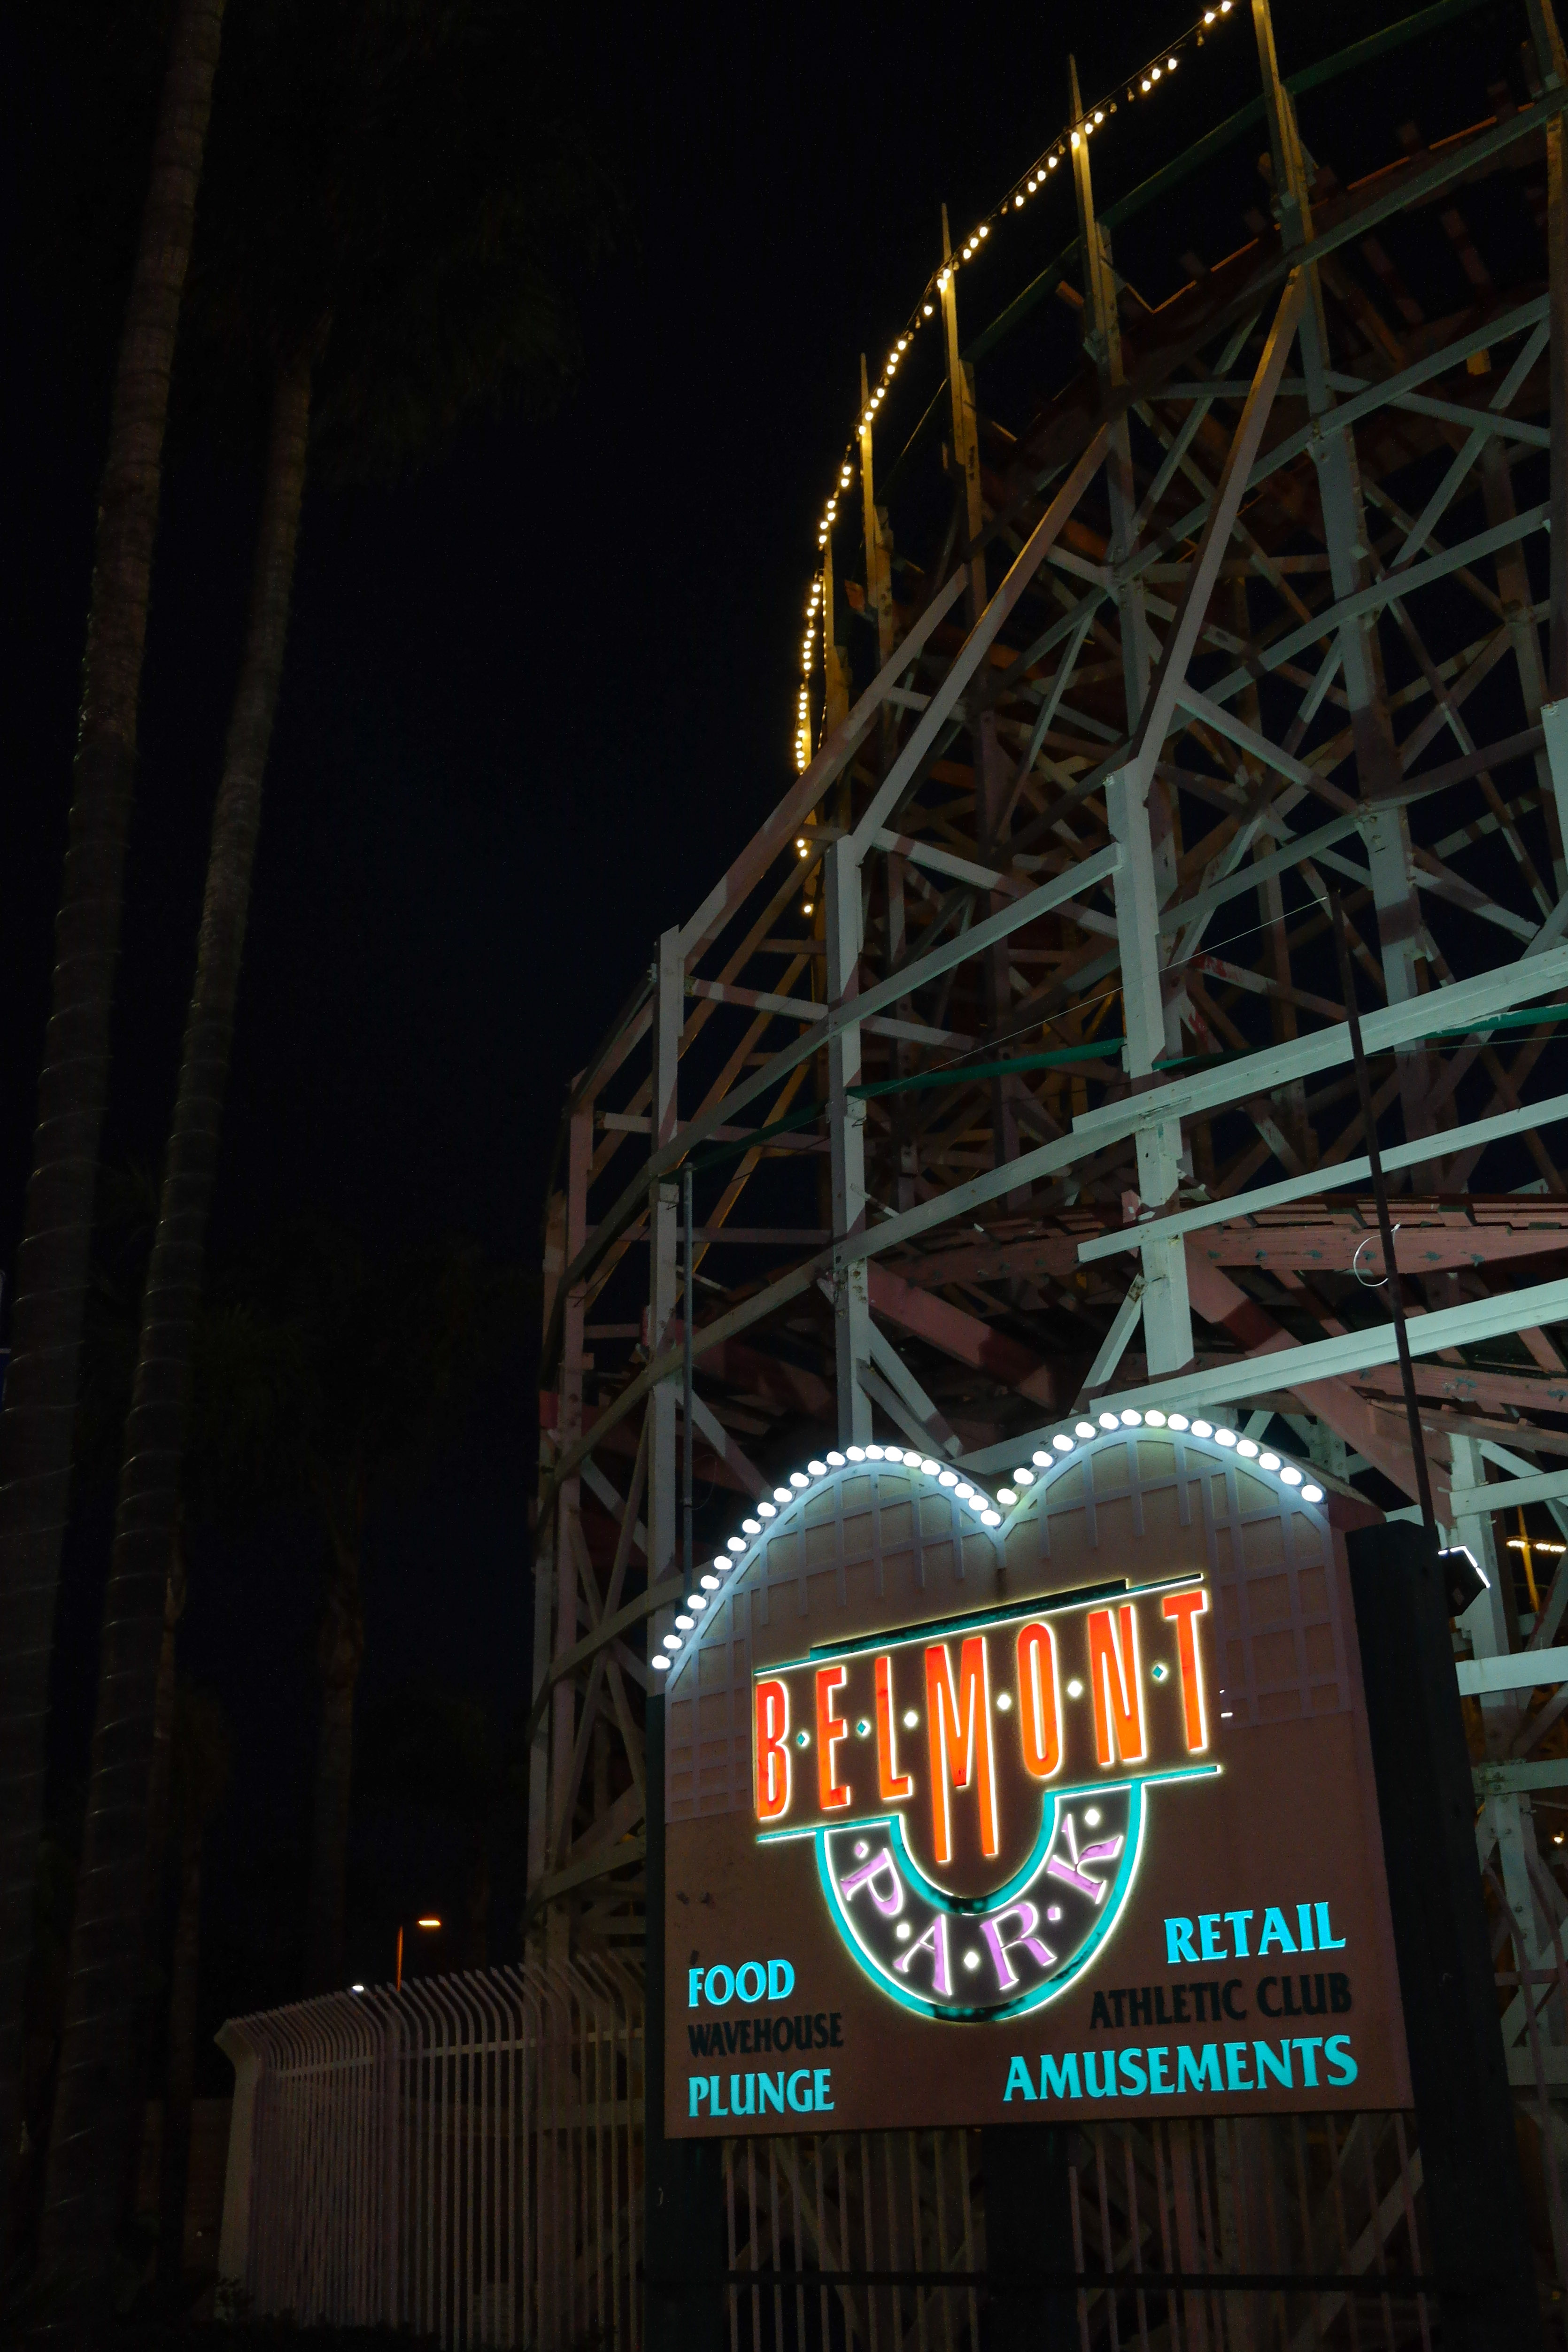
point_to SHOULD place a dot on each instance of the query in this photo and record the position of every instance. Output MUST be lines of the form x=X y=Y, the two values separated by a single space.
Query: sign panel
x=987 y=1806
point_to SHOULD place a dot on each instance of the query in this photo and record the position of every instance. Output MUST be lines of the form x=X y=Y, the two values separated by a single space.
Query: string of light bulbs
x=1149 y=79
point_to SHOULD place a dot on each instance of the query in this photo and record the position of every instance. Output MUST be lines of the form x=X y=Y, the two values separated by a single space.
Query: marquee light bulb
x=709 y=1583
x=660 y=1662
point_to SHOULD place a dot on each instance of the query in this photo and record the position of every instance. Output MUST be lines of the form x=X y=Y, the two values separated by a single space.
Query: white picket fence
x=462 y=2158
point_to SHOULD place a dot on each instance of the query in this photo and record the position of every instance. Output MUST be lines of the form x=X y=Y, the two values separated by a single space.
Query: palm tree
x=36 y=1424
x=399 y=298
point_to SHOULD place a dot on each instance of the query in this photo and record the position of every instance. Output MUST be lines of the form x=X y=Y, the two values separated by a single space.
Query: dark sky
x=532 y=701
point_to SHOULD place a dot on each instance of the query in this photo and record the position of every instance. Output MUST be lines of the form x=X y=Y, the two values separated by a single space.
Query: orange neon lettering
x=891 y=1784
x=772 y=1751
x=1186 y=1609
x=1039 y=1700
x=830 y=1729
x=959 y=1732
x=1118 y=1684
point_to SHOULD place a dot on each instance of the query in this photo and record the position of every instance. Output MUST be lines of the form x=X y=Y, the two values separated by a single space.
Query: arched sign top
x=1023 y=1491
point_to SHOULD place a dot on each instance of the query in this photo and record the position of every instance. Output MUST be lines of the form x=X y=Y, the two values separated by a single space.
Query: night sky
x=532 y=702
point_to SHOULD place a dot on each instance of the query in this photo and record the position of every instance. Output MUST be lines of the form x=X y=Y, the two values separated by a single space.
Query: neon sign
x=1078 y=1753
x=979 y=1794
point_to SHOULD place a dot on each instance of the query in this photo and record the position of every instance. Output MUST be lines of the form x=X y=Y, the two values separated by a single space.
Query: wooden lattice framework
x=1017 y=1027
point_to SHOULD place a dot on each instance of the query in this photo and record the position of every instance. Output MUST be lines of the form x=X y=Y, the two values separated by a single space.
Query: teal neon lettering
x=771 y=2092
x=821 y=2078
x=1275 y=1936
x=800 y=2075
x=1133 y=2078
x=1197 y=2070
x=1238 y=1920
x=1059 y=2080
x=1159 y=2069
x=1327 y=1940
x=751 y=2083
x=1098 y=2090
x=1337 y=2050
x=1266 y=2060
x=715 y=2102
x=1179 y=1942
x=696 y=2091
x=1019 y=2079
x=694 y=1987
x=1309 y=2044
x=780 y=1979
x=1304 y=1922
x=1209 y=1937
x=1237 y=2077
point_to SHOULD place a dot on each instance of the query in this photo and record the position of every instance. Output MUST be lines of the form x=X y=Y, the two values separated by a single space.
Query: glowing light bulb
x=927 y=310
x=1018 y=202
x=1099 y=117
x=1051 y=163
x=984 y=228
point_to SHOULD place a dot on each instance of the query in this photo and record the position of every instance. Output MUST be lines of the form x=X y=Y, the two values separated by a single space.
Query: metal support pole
x=1380 y=1194
x=1469 y=2153
x=846 y=1121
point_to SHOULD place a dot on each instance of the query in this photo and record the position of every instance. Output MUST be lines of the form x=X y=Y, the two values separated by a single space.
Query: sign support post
x=1028 y=2234
x=1469 y=2155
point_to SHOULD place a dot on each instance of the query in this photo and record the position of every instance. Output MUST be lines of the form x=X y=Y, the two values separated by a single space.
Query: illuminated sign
x=1072 y=1761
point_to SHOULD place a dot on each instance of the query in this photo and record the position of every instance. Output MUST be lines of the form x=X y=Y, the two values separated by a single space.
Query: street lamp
x=431 y=1925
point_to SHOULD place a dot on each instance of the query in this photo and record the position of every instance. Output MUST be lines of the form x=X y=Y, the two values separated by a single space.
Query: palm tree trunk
x=35 y=1426
x=180 y=2075
x=341 y=1649
x=95 y=2095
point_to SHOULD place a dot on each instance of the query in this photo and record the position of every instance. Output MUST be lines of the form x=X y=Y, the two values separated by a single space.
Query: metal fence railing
x=462 y=2157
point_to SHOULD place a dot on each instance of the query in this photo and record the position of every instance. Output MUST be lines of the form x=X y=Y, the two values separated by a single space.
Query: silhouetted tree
x=36 y=1424
x=389 y=223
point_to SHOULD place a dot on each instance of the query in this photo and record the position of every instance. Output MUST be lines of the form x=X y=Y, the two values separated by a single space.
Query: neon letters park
x=979 y=1800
